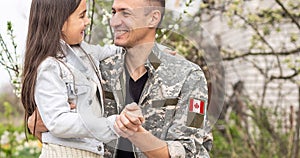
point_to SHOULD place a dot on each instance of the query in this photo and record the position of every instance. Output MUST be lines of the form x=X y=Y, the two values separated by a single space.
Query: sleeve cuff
x=112 y=119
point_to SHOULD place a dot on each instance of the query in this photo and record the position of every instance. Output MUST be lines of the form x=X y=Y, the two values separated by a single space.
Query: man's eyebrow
x=121 y=9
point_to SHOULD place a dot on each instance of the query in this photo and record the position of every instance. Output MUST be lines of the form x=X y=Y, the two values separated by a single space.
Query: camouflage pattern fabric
x=164 y=100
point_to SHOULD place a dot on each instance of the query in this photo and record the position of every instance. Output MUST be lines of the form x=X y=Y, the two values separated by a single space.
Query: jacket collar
x=153 y=62
x=73 y=57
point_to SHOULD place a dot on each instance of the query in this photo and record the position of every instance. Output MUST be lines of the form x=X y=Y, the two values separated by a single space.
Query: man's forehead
x=129 y=4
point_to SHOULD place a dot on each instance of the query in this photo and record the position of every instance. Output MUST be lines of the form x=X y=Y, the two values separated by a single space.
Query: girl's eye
x=82 y=16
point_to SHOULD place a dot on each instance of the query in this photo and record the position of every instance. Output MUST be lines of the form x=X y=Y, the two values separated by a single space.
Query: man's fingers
x=40 y=126
x=134 y=113
x=38 y=135
x=35 y=121
x=134 y=118
x=131 y=123
x=168 y=50
x=72 y=106
x=132 y=106
x=118 y=130
x=121 y=129
x=30 y=122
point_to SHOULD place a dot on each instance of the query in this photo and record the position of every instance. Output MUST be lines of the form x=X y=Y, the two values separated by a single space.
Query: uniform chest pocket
x=164 y=102
x=165 y=108
x=160 y=117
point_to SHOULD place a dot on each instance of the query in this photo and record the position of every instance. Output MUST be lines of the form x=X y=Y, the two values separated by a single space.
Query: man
x=161 y=84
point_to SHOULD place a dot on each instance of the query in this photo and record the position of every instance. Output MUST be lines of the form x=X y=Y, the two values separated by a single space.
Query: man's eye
x=113 y=12
x=125 y=13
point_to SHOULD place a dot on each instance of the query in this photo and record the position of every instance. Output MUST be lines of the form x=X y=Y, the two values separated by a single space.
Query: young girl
x=59 y=71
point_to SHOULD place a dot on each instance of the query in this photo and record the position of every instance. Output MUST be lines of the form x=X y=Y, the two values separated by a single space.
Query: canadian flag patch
x=197 y=106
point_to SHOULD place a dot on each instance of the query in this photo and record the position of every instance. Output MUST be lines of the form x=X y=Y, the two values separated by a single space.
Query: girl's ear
x=154 y=18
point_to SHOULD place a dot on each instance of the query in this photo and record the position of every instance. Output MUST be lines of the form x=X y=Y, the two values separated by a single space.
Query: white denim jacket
x=71 y=78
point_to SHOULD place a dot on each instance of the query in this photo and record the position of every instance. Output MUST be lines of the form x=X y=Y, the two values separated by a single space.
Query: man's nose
x=115 y=20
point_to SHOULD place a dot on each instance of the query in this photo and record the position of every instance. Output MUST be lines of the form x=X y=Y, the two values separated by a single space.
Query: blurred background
x=249 y=50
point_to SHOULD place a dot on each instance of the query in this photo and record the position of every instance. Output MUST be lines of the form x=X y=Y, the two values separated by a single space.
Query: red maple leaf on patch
x=196 y=105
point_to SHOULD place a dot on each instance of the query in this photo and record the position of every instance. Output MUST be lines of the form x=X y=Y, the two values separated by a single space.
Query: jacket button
x=90 y=102
x=99 y=147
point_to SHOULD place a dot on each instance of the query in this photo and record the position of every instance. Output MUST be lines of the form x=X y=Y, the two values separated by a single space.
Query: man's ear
x=154 y=18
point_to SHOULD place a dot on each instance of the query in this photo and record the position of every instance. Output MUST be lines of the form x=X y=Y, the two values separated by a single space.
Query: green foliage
x=261 y=139
x=100 y=32
x=10 y=59
x=13 y=143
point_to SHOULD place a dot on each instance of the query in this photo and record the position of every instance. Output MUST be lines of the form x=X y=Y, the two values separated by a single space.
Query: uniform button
x=99 y=147
x=90 y=101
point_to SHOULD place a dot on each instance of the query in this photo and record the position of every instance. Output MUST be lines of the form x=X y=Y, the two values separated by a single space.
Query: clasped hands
x=127 y=124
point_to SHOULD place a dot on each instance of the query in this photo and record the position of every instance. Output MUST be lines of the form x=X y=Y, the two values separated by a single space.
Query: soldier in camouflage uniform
x=165 y=99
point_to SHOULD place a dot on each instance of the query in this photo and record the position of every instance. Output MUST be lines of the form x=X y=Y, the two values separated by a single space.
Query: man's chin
x=119 y=43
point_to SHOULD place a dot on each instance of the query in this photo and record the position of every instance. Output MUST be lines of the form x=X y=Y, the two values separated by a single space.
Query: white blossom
x=4 y=138
x=20 y=137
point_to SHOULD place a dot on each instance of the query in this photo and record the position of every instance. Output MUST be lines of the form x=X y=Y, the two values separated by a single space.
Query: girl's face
x=74 y=26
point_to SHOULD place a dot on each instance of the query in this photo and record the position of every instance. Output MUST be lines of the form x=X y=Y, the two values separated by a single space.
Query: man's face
x=129 y=23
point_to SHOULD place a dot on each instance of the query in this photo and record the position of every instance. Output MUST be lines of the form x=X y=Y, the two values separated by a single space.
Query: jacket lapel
x=87 y=49
x=72 y=58
x=152 y=65
x=117 y=81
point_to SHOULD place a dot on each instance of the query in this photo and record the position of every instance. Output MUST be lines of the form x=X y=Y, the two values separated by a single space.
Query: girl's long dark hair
x=46 y=20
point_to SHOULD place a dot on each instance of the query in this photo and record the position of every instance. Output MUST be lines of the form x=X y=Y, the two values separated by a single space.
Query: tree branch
x=288 y=13
x=296 y=73
x=256 y=30
x=283 y=53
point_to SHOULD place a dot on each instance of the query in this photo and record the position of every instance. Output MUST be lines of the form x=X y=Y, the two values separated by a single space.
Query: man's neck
x=135 y=59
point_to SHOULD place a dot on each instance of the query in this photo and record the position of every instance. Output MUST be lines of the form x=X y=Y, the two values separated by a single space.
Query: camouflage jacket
x=164 y=100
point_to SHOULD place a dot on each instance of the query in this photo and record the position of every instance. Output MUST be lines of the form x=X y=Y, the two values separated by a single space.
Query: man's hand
x=169 y=51
x=39 y=126
x=129 y=121
x=134 y=113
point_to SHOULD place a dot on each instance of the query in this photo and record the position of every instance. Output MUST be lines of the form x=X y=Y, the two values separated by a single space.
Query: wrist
x=142 y=138
x=138 y=134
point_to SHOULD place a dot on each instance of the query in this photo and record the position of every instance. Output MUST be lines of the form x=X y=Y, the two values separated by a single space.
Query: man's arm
x=181 y=138
x=128 y=125
x=182 y=132
x=36 y=125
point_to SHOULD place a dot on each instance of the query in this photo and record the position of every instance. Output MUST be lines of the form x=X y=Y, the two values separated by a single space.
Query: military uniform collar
x=153 y=61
